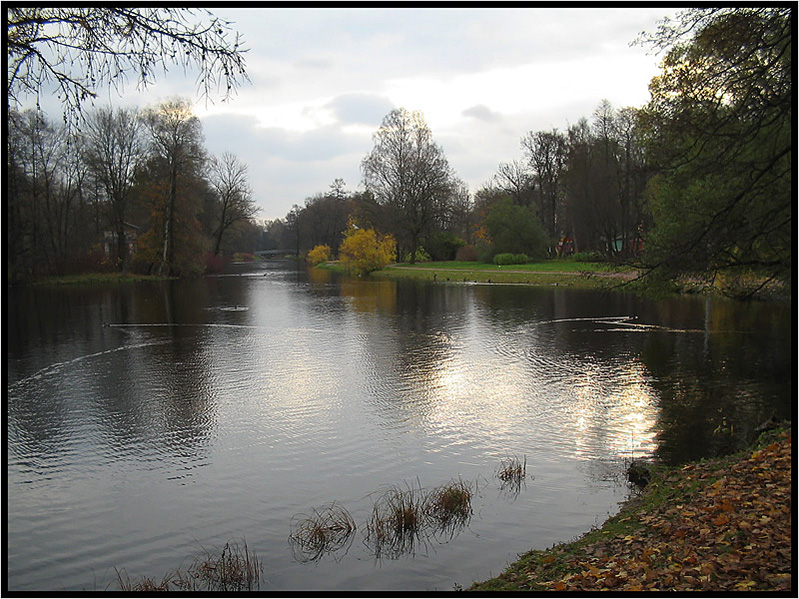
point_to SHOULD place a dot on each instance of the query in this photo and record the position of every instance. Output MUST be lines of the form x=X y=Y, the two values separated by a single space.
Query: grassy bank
x=93 y=278
x=549 y=273
x=716 y=525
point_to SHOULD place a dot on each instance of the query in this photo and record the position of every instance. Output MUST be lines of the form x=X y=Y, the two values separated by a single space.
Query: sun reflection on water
x=615 y=406
x=590 y=409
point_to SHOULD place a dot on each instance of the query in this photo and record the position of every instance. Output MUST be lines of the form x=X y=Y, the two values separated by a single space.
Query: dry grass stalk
x=236 y=569
x=326 y=530
x=397 y=520
x=144 y=584
x=512 y=472
x=450 y=504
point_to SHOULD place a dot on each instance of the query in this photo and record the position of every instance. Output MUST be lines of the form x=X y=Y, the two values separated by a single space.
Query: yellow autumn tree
x=365 y=250
x=318 y=255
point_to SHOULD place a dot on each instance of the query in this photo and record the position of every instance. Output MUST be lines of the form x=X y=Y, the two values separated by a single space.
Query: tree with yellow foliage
x=365 y=250
x=319 y=254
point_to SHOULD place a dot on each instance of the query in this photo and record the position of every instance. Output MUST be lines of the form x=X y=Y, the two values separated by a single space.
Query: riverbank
x=93 y=278
x=555 y=273
x=589 y=275
x=716 y=525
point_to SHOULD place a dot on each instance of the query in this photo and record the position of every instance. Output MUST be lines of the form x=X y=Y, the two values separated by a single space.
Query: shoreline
x=599 y=276
x=582 y=276
x=715 y=525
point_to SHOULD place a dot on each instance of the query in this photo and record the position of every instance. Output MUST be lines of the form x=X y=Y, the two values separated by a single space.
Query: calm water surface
x=147 y=421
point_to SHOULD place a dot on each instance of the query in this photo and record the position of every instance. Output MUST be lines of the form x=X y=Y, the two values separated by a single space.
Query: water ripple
x=55 y=368
x=196 y=432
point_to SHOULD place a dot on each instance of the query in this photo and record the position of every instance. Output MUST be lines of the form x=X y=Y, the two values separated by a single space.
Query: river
x=147 y=421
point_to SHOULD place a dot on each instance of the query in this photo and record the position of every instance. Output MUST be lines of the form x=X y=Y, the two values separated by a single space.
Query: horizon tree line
x=587 y=184
x=82 y=198
x=697 y=181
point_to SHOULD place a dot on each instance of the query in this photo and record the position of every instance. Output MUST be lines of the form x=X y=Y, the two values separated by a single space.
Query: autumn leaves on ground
x=721 y=525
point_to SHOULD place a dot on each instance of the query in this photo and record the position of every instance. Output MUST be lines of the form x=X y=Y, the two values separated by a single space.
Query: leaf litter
x=717 y=525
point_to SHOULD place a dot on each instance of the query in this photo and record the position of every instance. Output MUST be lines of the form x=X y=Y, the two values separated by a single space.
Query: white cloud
x=287 y=166
x=482 y=112
x=360 y=108
x=323 y=81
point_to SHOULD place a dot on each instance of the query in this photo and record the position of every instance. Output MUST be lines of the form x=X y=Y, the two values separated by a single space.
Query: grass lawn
x=548 y=273
x=546 y=266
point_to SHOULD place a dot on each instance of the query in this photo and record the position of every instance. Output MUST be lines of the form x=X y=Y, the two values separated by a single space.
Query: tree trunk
x=221 y=230
x=122 y=247
x=169 y=216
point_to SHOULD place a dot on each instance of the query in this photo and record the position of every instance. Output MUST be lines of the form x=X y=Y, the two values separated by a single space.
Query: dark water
x=146 y=421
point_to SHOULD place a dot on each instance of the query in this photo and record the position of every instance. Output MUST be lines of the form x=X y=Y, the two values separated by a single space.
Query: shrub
x=365 y=250
x=319 y=255
x=485 y=251
x=516 y=229
x=421 y=255
x=214 y=263
x=443 y=246
x=588 y=257
x=503 y=259
x=467 y=253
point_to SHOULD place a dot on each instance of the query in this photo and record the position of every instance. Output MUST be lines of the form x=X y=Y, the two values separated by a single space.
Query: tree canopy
x=365 y=250
x=81 y=49
x=408 y=172
x=516 y=229
x=697 y=184
x=719 y=130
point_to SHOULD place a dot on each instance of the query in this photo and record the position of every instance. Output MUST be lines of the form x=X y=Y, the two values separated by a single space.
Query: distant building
x=565 y=246
x=110 y=240
x=622 y=247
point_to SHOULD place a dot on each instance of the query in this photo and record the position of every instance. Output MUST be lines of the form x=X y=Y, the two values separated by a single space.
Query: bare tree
x=633 y=176
x=233 y=195
x=581 y=180
x=80 y=49
x=607 y=208
x=292 y=227
x=517 y=181
x=546 y=154
x=337 y=188
x=114 y=150
x=323 y=220
x=176 y=139
x=18 y=222
x=409 y=173
x=46 y=186
x=604 y=178
x=462 y=218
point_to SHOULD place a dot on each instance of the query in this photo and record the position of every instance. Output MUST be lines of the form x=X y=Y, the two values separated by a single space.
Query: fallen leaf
x=721 y=520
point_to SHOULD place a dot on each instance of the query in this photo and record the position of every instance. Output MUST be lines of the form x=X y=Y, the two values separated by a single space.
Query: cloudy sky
x=322 y=79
